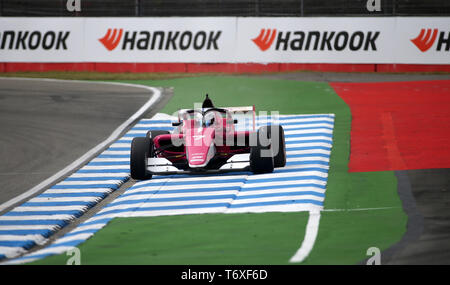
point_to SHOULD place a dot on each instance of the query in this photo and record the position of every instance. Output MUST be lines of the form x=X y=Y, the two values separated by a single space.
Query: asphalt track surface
x=46 y=125
x=425 y=194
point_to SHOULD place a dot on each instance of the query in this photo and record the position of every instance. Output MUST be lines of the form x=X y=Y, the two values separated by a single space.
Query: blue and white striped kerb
x=300 y=186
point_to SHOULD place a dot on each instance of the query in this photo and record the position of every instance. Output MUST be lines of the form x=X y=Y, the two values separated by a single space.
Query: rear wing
x=246 y=111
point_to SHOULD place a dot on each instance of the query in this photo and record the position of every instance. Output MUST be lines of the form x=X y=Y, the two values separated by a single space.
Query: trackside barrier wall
x=225 y=44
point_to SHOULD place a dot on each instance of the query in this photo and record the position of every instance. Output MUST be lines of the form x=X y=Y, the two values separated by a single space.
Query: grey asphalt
x=427 y=238
x=46 y=125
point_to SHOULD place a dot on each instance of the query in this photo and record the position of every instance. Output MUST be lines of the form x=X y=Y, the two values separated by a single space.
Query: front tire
x=140 y=152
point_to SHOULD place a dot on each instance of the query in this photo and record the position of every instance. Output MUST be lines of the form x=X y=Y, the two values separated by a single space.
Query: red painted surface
x=219 y=67
x=413 y=68
x=398 y=125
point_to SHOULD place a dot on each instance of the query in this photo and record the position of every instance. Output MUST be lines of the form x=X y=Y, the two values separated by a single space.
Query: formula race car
x=206 y=140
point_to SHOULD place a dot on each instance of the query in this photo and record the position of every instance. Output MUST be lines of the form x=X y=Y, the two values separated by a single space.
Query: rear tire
x=261 y=157
x=276 y=134
x=140 y=152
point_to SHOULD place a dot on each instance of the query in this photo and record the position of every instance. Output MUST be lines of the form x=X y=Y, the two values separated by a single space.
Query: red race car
x=206 y=140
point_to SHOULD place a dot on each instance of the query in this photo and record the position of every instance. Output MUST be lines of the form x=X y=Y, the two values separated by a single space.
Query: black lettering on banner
x=297 y=43
x=61 y=41
x=21 y=37
x=158 y=35
x=212 y=39
x=143 y=42
x=199 y=40
x=316 y=36
x=48 y=40
x=442 y=40
x=171 y=40
x=370 y=40
x=356 y=40
x=8 y=35
x=184 y=44
x=326 y=40
x=340 y=46
x=281 y=40
x=34 y=40
x=127 y=39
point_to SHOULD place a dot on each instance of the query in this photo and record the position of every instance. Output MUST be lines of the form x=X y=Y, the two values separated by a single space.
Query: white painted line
x=11 y=251
x=156 y=94
x=359 y=209
x=312 y=229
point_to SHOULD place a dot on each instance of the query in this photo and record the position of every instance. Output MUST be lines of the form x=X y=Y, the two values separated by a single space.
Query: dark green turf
x=195 y=239
x=344 y=236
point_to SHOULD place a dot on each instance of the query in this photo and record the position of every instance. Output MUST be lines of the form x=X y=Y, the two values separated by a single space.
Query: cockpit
x=203 y=118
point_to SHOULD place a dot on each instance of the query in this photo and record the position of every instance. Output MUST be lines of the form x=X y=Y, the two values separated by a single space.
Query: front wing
x=237 y=162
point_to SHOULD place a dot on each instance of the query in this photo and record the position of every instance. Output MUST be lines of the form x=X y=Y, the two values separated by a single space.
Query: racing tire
x=140 y=152
x=276 y=134
x=261 y=157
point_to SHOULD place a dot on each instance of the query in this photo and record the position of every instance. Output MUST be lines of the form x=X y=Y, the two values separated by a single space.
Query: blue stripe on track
x=182 y=183
x=103 y=171
x=308 y=135
x=244 y=189
x=111 y=186
x=152 y=128
x=294 y=178
x=105 y=163
x=276 y=203
x=307 y=162
x=150 y=121
x=281 y=194
x=51 y=204
x=26 y=244
x=173 y=199
x=300 y=170
x=163 y=208
x=79 y=194
x=308 y=155
x=327 y=141
x=308 y=148
x=33 y=222
x=135 y=135
x=119 y=148
x=91 y=231
x=43 y=232
x=96 y=222
x=114 y=156
x=94 y=178
x=75 y=213
x=168 y=192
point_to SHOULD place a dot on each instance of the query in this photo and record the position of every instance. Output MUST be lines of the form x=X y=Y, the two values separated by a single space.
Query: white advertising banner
x=422 y=40
x=160 y=39
x=41 y=39
x=318 y=40
x=369 y=40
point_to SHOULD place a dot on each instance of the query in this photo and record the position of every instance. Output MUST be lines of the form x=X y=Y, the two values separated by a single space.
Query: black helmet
x=207 y=103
